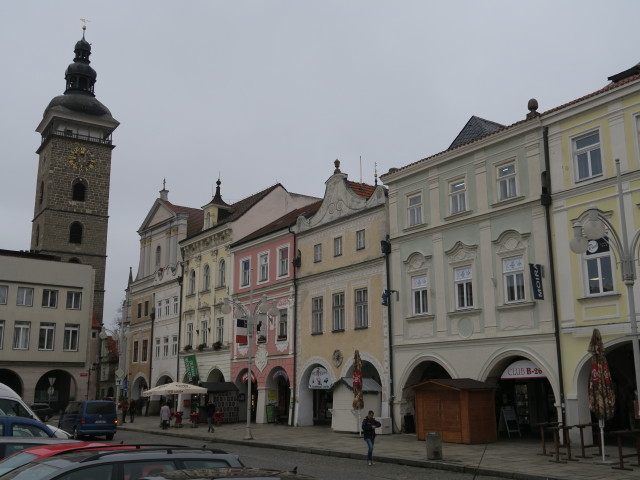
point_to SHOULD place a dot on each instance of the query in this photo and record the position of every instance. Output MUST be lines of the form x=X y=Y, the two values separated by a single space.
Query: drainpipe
x=180 y=282
x=150 y=350
x=385 y=246
x=545 y=199
x=296 y=264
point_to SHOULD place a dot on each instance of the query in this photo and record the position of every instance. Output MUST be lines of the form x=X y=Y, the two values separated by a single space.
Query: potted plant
x=217 y=345
x=262 y=338
x=187 y=348
x=201 y=346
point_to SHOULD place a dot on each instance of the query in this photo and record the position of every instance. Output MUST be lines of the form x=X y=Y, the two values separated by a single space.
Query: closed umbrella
x=358 y=401
x=602 y=397
x=174 y=388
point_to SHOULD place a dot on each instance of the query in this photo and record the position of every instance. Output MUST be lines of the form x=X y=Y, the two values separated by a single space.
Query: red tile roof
x=363 y=189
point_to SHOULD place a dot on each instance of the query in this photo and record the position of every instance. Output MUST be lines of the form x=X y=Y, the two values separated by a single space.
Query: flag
x=241 y=330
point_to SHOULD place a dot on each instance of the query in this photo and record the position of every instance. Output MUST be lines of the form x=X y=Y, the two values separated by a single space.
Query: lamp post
x=92 y=368
x=594 y=229
x=260 y=308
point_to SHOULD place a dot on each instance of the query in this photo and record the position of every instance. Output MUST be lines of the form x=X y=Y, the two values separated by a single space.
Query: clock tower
x=71 y=211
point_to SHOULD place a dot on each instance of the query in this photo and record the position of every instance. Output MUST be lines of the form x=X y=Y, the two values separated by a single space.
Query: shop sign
x=522 y=369
x=319 y=379
x=535 y=270
x=191 y=367
x=245 y=375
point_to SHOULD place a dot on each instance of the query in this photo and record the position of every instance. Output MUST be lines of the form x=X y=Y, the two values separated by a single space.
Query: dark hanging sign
x=536 y=281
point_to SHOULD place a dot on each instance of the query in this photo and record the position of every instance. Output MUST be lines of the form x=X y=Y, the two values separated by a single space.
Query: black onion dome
x=79 y=103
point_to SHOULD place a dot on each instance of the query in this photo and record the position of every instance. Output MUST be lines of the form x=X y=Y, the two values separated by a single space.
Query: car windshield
x=31 y=471
x=15 y=461
x=12 y=408
x=105 y=408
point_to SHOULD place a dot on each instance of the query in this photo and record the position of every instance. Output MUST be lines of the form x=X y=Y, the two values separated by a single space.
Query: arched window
x=208 y=222
x=221 y=274
x=79 y=191
x=158 y=256
x=192 y=282
x=206 y=278
x=75 y=233
x=41 y=192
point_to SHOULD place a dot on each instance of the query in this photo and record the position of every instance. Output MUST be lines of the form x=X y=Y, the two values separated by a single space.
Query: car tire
x=74 y=434
x=109 y=436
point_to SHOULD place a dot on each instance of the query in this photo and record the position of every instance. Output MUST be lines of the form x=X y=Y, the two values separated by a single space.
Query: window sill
x=364 y=327
x=417 y=226
x=597 y=298
x=515 y=306
x=281 y=339
x=454 y=216
x=316 y=333
x=190 y=295
x=207 y=290
x=424 y=316
x=220 y=287
x=465 y=311
x=506 y=201
x=339 y=330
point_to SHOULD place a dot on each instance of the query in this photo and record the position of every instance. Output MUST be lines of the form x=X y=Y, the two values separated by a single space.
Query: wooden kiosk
x=461 y=410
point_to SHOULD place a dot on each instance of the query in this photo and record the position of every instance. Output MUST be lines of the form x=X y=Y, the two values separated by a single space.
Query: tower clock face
x=81 y=159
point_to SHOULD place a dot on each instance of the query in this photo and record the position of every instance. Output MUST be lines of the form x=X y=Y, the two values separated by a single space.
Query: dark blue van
x=90 y=418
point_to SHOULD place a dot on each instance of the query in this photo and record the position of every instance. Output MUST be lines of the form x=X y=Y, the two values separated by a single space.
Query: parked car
x=43 y=410
x=23 y=427
x=11 y=404
x=33 y=452
x=229 y=474
x=90 y=417
x=11 y=445
x=122 y=464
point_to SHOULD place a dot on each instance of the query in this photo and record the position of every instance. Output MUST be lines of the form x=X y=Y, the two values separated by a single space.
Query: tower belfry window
x=79 y=191
x=75 y=233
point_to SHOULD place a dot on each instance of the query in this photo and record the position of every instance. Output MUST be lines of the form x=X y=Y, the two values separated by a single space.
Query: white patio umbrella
x=174 y=388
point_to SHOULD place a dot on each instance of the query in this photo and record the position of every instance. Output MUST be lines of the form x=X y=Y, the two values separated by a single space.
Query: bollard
x=434 y=446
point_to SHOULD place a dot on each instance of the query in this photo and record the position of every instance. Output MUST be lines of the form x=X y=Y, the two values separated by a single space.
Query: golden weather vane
x=84 y=23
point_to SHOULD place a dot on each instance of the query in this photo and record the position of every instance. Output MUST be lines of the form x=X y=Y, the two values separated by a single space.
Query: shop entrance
x=322 y=405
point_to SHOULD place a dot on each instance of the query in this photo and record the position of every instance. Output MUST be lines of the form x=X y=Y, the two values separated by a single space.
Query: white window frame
x=46 y=337
x=204 y=331
x=317 y=253
x=157 y=347
x=263 y=262
x=586 y=155
x=457 y=196
x=599 y=264
x=361 y=304
x=2 y=324
x=158 y=257
x=317 y=313
x=360 y=239
x=507 y=181
x=192 y=282
x=25 y=297
x=189 y=334
x=222 y=273
x=71 y=337
x=282 y=324
x=21 y=331
x=135 y=351
x=176 y=306
x=337 y=312
x=174 y=345
x=159 y=309
x=220 y=329
x=165 y=346
x=245 y=272
x=49 y=298
x=514 y=279
x=337 y=247
x=463 y=287
x=4 y=294
x=206 y=278
x=144 y=355
x=420 y=294
x=167 y=308
x=283 y=261
x=74 y=300
x=414 y=209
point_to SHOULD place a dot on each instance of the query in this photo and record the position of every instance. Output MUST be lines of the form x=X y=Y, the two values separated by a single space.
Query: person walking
x=132 y=409
x=369 y=425
x=210 y=410
x=124 y=405
x=165 y=416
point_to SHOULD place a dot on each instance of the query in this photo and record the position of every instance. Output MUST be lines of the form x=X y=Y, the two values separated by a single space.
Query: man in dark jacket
x=369 y=425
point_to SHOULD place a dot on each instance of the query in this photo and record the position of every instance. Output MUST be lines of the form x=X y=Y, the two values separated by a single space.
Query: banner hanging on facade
x=241 y=330
x=536 y=280
x=191 y=368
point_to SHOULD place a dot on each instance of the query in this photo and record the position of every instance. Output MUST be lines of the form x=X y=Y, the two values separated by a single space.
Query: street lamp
x=594 y=229
x=262 y=307
x=92 y=368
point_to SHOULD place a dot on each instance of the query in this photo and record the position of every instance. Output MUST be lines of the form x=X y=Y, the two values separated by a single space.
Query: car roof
x=227 y=473
x=46 y=450
x=36 y=440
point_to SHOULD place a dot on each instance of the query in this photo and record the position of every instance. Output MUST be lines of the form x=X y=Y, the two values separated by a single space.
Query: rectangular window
x=219 y=329
x=157 y=349
x=282 y=325
x=337 y=246
x=587 y=156
x=165 y=346
x=283 y=262
x=360 y=240
x=175 y=305
x=338 y=311
x=190 y=334
x=146 y=308
x=159 y=309
x=25 y=297
x=21 y=335
x=1 y=334
x=507 y=181
x=513 y=273
x=139 y=310
x=414 y=210
x=74 y=300
x=50 y=298
x=4 y=293
x=46 y=337
x=362 y=308
x=204 y=332
x=316 y=315
x=145 y=349
x=174 y=345
x=420 y=294
x=245 y=274
x=167 y=309
x=136 y=346
x=317 y=253
x=598 y=266
x=71 y=336
x=457 y=196
x=463 y=287
x=264 y=267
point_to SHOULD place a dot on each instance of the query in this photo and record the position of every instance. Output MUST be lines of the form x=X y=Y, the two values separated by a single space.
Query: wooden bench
x=621 y=433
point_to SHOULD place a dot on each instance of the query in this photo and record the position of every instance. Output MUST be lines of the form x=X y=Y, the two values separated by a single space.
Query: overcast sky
x=261 y=92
